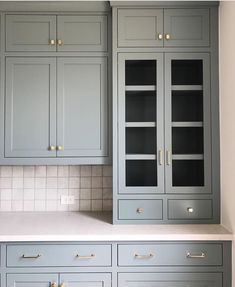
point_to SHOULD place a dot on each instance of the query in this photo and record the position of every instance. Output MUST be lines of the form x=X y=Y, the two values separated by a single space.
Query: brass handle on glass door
x=160 y=157
x=168 y=157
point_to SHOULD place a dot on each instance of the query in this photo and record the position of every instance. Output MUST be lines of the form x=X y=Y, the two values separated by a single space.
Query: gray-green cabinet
x=56 y=107
x=37 y=33
x=30 y=118
x=163 y=27
x=33 y=279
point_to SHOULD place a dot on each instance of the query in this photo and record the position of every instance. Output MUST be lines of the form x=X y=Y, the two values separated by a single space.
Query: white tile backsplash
x=39 y=188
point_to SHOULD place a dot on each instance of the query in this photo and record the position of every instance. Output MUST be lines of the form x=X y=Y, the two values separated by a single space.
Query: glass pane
x=140 y=140
x=188 y=172
x=187 y=72
x=187 y=106
x=140 y=72
x=187 y=140
x=141 y=106
x=141 y=173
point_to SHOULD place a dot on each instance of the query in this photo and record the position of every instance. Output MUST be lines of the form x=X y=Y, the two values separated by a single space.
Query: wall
x=39 y=188
x=227 y=116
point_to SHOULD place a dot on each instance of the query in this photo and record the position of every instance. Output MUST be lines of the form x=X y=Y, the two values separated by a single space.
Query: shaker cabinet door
x=30 y=107
x=31 y=33
x=186 y=27
x=140 y=27
x=82 y=33
x=29 y=280
x=82 y=107
x=86 y=279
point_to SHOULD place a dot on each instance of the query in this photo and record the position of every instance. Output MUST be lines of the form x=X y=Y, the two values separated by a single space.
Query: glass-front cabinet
x=164 y=123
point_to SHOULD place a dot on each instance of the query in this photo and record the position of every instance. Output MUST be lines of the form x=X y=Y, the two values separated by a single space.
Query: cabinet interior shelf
x=187 y=124
x=141 y=88
x=141 y=157
x=187 y=156
x=140 y=124
x=186 y=87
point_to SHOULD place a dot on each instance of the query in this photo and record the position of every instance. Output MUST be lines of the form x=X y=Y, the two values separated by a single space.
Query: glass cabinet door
x=140 y=123
x=187 y=123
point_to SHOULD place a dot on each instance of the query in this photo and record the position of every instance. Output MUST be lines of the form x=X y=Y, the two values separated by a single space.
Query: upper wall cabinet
x=163 y=27
x=56 y=33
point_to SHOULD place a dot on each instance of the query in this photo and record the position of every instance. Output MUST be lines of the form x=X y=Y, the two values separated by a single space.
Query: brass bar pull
x=59 y=42
x=140 y=210
x=85 y=257
x=160 y=36
x=202 y=255
x=52 y=42
x=168 y=157
x=31 y=256
x=167 y=37
x=148 y=256
x=160 y=157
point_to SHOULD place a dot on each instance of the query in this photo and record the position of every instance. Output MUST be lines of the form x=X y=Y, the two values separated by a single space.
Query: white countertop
x=82 y=226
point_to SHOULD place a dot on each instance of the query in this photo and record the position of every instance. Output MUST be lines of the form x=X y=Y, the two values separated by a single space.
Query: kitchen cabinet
x=56 y=95
x=165 y=103
x=56 y=33
x=163 y=27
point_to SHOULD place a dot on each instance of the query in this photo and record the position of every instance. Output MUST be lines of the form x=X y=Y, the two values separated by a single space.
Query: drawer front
x=170 y=279
x=30 y=33
x=140 y=27
x=170 y=254
x=82 y=33
x=189 y=209
x=187 y=27
x=86 y=279
x=58 y=255
x=140 y=209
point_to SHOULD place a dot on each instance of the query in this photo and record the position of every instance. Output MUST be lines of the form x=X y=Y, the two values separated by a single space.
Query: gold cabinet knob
x=51 y=147
x=167 y=37
x=52 y=42
x=190 y=210
x=59 y=42
x=160 y=36
x=53 y=284
x=140 y=210
x=62 y=285
x=59 y=147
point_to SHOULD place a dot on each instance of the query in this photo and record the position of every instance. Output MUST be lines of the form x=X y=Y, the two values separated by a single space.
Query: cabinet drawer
x=30 y=33
x=140 y=209
x=170 y=279
x=169 y=254
x=189 y=209
x=58 y=255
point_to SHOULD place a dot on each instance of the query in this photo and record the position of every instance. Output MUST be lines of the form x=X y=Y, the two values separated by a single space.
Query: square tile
x=17 y=194
x=51 y=182
x=29 y=194
x=17 y=205
x=75 y=206
x=96 y=170
x=6 y=194
x=17 y=171
x=63 y=171
x=107 y=182
x=28 y=182
x=74 y=170
x=85 y=194
x=107 y=193
x=51 y=205
x=6 y=182
x=84 y=205
x=74 y=182
x=51 y=194
x=40 y=205
x=28 y=205
x=107 y=205
x=40 y=171
x=85 y=182
x=29 y=171
x=62 y=182
x=96 y=205
x=107 y=170
x=75 y=192
x=17 y=182
x=96 y=193
x=5 y=205
x=51 y=171
x=40 y=194
x=86 y=170
x=40 y=182
x=6 y=171
x=97 y=182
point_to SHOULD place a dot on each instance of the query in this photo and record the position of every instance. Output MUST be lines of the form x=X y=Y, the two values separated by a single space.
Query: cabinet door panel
x=186 y=27
x=187 y=123
x=29 y=280
x=30 y=32
x=82 y=33
x=82 y=106
x=30 y=107
x=140 y=27
x=140 y=119
x=170 y=280
x=86 y=280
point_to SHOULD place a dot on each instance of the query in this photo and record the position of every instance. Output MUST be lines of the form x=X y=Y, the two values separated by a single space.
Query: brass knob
x=51 y=147
x=52 y=42
x=167 y=36
x=59 y=147
x=140 y=210
x=190 y=210
x=53 y=284
x=62 y=285
x=160 y=36
x=59 y=42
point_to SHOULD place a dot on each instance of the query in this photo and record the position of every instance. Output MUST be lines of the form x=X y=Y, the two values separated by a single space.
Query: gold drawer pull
x=59 y=42
x=168 y=157
x=148 y=256
x=190 y=210
x=85 y=257
x=167 y=36
x=160 y=157
x=52 y=42
x=53 y=284
x=31 y=257
x=160 y=36
x=62 y=285
x=202 y=255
